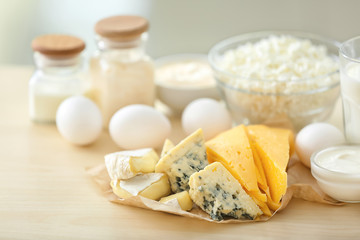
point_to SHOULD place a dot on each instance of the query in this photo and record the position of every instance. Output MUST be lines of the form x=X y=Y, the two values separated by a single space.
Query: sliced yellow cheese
x=286 y=134
x=168 y=145
x=273 y=147
x=263 y=206
x=260 y=173
x=271 y=204
x=232 y=148
x=150 y=185
x=182 y=199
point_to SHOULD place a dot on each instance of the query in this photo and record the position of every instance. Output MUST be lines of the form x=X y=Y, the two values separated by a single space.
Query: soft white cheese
x=120 y=166
x=268 y=80
x=138 y=183
x=186 y=73
x=279 y=58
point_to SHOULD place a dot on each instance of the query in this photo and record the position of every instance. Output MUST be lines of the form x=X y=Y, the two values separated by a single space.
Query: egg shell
x=315 y=137
x=79 y=120
x=208 y=114
x=139 y=126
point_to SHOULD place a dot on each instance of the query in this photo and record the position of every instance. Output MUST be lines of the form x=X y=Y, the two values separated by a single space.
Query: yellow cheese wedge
x=182 y=198
x=168 y=145
x=271 y=204
x=260 y=173
x=263 y=206
x=232 y=148
x=149 y=185
x=286 y=134
x=273 y=147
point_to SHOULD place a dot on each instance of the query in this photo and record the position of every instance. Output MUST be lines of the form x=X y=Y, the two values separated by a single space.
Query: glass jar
x=57 y=75
x=121 y=71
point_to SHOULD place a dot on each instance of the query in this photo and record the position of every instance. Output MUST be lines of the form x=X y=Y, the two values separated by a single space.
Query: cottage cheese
x=279 y=58
x=279 y=76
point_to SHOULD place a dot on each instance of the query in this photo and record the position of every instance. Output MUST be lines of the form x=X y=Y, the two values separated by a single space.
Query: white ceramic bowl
x=342 y=186
x=178 y=96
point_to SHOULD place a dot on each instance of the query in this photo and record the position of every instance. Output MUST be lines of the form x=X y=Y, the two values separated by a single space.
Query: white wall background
x=175 y=25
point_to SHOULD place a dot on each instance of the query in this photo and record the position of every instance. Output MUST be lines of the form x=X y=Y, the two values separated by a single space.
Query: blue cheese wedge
x=186 y=158
x=127 y=164
x=219 y=194
x=168 y=145
x=150 y=185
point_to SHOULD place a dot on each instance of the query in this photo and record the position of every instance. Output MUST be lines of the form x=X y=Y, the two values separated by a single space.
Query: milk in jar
x=350 y=88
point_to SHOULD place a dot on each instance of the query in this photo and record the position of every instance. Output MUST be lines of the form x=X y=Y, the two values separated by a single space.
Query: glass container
x=57 y=75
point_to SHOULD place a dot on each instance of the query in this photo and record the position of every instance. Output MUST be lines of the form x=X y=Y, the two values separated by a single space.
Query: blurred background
x=175 y=26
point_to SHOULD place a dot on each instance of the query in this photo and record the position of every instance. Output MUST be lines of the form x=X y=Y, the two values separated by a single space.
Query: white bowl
x=178 y=95
x=341 y=185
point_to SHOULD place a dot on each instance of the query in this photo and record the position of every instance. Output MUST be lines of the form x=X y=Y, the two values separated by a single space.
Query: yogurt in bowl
x=337 y=171
x=182 y=78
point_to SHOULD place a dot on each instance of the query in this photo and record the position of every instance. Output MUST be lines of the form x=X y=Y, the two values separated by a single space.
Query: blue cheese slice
x=219 y=194
x=149 y=185
x=186 y=158
x=127 y=164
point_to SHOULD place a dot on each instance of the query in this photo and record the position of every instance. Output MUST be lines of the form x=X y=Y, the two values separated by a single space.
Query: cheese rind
x=127 y=164
x=150 y=185
x=139 y=183
x=186 y=158
x=219 y=194
x=182 y=198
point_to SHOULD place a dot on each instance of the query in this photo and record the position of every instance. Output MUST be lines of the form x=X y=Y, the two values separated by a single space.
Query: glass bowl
x=255 y=101
x=343 y=184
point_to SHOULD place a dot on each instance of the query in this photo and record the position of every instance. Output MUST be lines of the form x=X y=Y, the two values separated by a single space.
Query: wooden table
x=46 y=193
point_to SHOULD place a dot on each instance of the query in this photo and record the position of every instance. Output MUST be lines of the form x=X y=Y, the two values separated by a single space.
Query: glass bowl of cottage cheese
x=265 y=76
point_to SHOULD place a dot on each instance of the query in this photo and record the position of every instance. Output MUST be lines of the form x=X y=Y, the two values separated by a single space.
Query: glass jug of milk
x=350 y=88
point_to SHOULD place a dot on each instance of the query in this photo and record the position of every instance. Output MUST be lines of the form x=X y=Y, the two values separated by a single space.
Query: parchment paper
x=301 y=184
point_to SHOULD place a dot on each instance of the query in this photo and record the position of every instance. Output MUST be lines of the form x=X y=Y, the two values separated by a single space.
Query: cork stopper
x=58 y=46
x=120 y=28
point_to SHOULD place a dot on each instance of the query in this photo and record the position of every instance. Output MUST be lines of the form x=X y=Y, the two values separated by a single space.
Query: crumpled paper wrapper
x=301 y=184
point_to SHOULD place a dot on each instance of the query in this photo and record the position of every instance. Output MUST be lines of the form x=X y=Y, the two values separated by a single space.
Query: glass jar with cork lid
x=57 y=75
x=121 y=71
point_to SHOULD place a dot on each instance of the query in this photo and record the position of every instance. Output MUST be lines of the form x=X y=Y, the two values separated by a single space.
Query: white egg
x=79 y=120
x=139 y=126
x=208 y=114
x=315 y=137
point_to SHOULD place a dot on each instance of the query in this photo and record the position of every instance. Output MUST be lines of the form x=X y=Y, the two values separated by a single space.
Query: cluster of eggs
x=79 y=121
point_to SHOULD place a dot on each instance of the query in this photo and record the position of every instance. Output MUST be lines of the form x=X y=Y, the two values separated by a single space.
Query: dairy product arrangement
x=237 y=174
x=232 y=164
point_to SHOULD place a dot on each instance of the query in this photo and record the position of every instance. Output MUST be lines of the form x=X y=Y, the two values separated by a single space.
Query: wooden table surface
x=46 y=193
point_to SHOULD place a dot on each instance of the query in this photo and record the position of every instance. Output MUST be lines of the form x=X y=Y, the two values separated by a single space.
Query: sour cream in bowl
x=337 y=171
x=182 y=78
